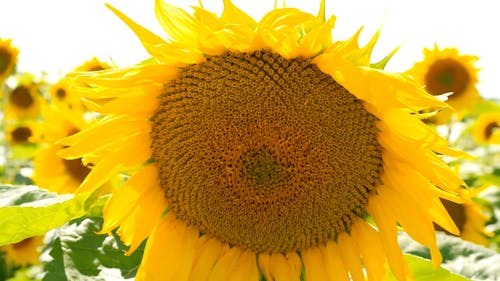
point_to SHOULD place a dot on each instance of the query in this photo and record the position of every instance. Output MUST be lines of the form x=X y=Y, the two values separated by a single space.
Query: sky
x=57 y=35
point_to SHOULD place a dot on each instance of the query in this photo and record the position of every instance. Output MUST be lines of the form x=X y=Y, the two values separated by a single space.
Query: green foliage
x=423 y=270
x=27 y=211
x=78 y=253
x=459 y=256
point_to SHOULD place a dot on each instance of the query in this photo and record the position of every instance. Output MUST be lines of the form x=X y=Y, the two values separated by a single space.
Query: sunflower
x=446 y=71
x=51 y=171
x=23 y=253
x=62 y=96
x=469 y=217
x=261 y=149
x=93 y=65
x=61 y=93
x=24 y=101
x=487 y=128
x=8 y=58
x=19 y=134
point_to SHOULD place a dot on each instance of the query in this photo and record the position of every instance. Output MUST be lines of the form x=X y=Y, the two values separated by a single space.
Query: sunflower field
x=249 y=150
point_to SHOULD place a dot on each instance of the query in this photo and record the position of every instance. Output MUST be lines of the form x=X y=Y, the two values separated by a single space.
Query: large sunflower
x=23 y=253
x=260 y=148
x=486 y=129
x=446 y=71
x=8 y=58
x=51 y=171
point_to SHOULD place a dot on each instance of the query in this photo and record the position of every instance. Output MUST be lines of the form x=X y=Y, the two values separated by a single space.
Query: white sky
x=58 y=35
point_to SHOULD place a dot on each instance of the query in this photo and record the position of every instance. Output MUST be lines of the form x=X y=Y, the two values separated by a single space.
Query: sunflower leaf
x=78 y=253
x=27 y=211
x=424 y=271
x=460 y=257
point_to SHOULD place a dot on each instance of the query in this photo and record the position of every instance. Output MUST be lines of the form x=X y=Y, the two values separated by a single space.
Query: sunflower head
x=62 y=95
x=260 y=148
x=93 y=65
x=24 y=99
x=444 y=71
x=20 y=134
x=51 y=171
x=23 y=253
x=470 y=217
x=486 y=129
x=8 y=58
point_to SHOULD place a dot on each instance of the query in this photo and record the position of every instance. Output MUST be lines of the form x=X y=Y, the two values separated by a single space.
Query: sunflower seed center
x=266 y=153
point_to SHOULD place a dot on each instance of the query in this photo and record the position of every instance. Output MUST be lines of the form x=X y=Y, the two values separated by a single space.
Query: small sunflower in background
x=52 y=172
x=19 y=134
x=24 y=100
x=62 y=96
x=260 y=149
x=446 y=71
x=470 y=217
x=486 y=129
x=61 y=93
x=8 y=58
x=23 y=253
x=93 y=65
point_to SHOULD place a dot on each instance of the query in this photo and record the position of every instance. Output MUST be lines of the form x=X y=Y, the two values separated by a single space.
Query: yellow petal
x=208 y=252
x=179 y=25
x=314 y=264
x=224 y=266
x=125 y=198
x=281 y=268
x=317 y=39
x=233 y=15
x=208 y=19
x=169 y=253
x=334 y=264
x=144 y=217
x=413 y=220
x=370 y=247
x=350 y=255
x=387 y=226
x=247 y=268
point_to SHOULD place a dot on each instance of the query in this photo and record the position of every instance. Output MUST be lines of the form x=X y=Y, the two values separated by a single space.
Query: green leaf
x=460 y=257
x=78 y=253
x=423 y=270
x=27 y=211
x=12 y=195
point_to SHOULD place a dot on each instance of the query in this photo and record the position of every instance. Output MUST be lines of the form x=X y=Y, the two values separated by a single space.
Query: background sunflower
x=24 y=99
x=446 y=71
x=51 y=171
x=23 y=253
x=8 y=58
x=486 y=128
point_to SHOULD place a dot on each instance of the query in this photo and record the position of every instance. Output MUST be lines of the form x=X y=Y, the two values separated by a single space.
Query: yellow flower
x=487 y=128
x=61 y=93
x=93 y=65
x=23 y=253
x=260 y=148
x=24 y=101
x=446 y=71
x=62 y=96
x=51 y=171
x=19 y=134
x=8 y=58
x=469 y=217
